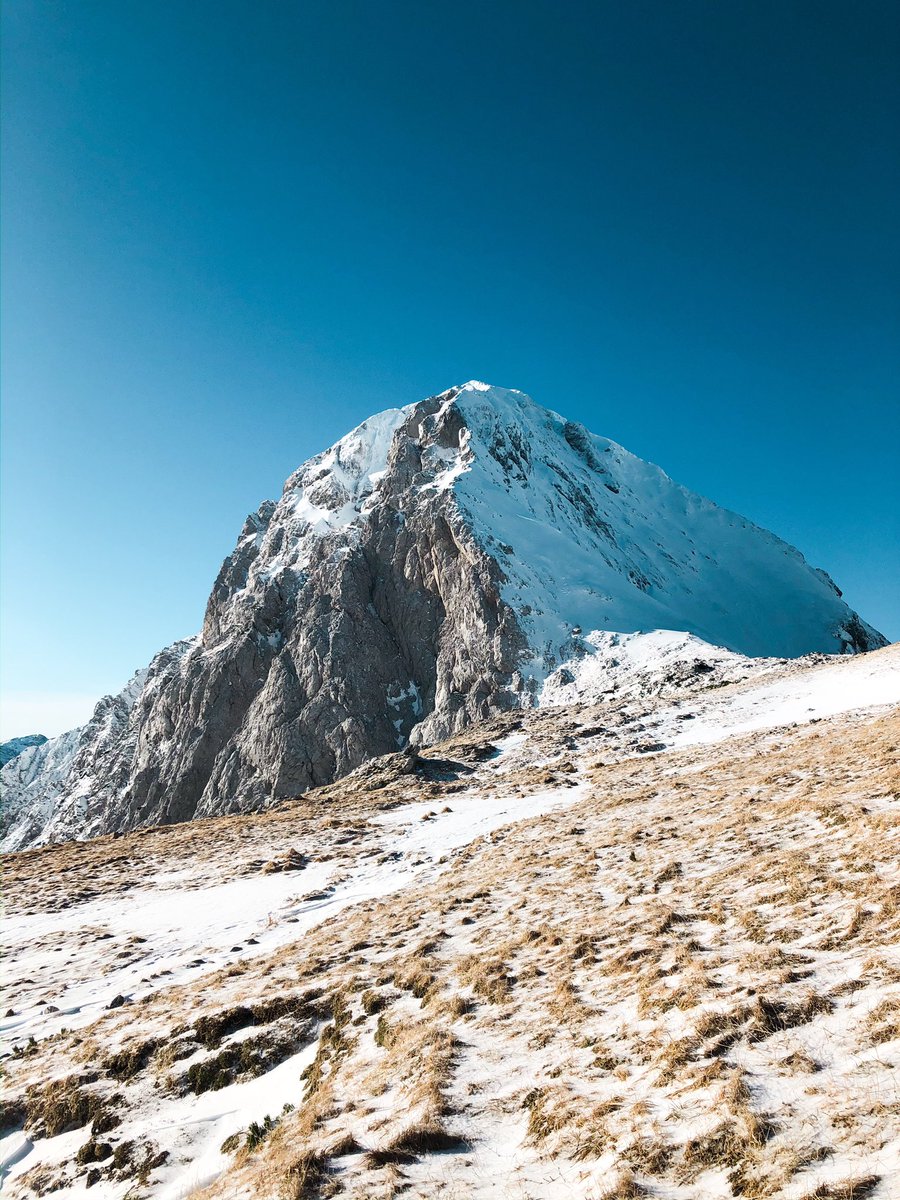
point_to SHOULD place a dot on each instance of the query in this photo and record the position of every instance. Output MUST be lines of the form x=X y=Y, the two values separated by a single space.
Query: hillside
x=646 y=944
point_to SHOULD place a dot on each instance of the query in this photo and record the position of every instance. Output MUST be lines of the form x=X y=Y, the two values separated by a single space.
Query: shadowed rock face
x=303 y=676
x=430 y=569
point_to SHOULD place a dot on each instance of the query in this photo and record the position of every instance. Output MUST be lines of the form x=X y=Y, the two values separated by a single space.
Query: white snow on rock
x=621 y=663
x=329 y=494
x=720 y=694
x=588 y=535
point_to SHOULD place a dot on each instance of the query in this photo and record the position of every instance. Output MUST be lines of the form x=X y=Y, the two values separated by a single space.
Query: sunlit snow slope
x=589 y=535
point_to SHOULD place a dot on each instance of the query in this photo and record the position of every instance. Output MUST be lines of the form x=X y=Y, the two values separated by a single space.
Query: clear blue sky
x=233 y=230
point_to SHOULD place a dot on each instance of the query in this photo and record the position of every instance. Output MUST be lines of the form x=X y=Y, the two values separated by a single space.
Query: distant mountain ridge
x=9 y=750
x=436 y=565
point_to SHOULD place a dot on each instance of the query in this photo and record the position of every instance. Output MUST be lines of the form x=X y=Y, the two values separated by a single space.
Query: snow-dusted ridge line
x=15 y=746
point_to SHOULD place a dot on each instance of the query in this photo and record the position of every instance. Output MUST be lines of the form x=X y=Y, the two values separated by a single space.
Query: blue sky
x=232 y=231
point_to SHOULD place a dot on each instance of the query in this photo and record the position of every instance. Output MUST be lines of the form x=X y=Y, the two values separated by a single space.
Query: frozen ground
x=856 y=684
x=178 y=932
x=643 y=946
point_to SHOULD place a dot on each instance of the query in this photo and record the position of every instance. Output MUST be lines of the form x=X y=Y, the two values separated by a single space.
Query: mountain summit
x=439 y=563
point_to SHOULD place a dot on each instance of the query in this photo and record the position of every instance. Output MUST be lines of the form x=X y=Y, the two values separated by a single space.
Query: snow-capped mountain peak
x=437 y=564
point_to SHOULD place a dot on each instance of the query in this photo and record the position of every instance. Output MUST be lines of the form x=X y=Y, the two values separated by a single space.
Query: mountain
x=9 y=750
x=434 y=567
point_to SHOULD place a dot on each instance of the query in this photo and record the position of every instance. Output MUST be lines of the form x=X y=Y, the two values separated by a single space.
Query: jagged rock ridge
x=433 y=567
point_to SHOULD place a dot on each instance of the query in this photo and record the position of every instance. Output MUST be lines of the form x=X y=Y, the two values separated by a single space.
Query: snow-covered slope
x=589 y=535
x=586 y=534
x=436 y=566
x=536 y=961
x=645 y=664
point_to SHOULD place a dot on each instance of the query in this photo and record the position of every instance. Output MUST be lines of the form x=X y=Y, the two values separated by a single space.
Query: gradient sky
x=233 y=230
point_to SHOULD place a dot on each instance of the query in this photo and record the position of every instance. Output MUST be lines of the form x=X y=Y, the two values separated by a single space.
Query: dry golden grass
x=582 y=986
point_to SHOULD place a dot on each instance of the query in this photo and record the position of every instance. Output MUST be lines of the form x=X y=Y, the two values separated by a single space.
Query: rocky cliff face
x=436 y=565
x=70 y=786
